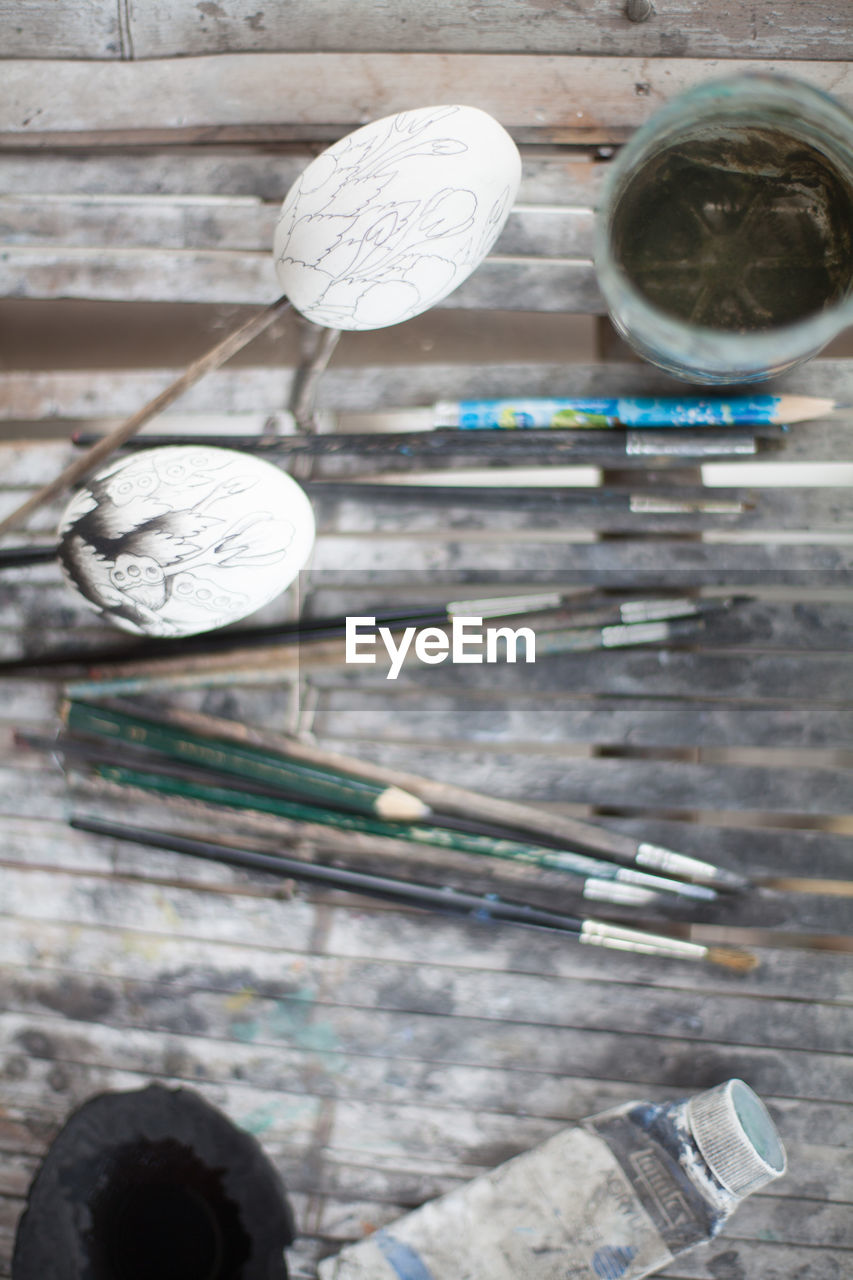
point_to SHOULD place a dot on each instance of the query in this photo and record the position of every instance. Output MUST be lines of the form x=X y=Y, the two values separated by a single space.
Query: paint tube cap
x=736 y=1136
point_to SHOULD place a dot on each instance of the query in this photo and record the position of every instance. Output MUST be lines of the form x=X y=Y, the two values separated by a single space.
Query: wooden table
x=383 y=1056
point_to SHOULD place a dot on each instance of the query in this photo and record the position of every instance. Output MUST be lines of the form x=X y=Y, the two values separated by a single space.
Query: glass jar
x=724 y=236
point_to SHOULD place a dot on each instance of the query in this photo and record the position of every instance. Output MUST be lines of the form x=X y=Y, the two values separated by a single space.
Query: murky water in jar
x=742 y=233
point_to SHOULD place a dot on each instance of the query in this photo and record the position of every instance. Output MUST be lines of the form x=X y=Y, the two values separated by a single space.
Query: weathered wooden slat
x=383 y=508
x=394 y=1119
x=635 y=783
x=676 y=563
x=550 y=176
x=628 y=722
x=765 y=1260
x=60 y=31
x=160 y=30
x=324 y=1005
x=236 y=223
x=26 y=702
x=83 y=971
x=347 y=388
x=138 y=275
x=188 y=275
x=596 y=98
x=642 y=672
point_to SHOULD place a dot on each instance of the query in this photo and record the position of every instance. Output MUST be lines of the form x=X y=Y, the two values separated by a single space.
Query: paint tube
x=615 y=1198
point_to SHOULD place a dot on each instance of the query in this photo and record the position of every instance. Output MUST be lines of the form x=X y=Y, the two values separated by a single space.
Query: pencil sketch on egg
x=390 y=243
x=152 y=541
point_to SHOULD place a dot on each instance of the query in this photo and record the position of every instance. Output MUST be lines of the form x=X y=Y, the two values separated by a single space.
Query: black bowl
x=153 y=1185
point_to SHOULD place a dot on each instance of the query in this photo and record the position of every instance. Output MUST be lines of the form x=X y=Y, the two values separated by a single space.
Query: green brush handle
x=254 y=764
x=576 y=864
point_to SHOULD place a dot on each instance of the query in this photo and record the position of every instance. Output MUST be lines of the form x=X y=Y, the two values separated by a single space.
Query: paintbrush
x=445 y=447
x=446 y=798
x=546 y=609
x=598 y=879
x=752 y=936
x=300 y=630
x=259 y=665
x=483 y=908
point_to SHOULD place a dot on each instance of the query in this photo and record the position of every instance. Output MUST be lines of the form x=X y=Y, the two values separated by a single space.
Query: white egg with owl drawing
x=177 y=540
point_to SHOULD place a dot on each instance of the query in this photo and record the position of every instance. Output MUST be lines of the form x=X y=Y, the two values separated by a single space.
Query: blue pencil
x=628 y=411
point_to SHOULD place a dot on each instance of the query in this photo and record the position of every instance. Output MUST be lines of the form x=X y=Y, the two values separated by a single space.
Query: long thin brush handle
x=98 y=452
x=391 y=888
x=446 y=444
x=601 y=878
x=443 y=797
x=484 y=908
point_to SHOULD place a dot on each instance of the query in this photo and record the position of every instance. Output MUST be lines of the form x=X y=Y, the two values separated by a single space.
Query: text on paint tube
x=464 y=640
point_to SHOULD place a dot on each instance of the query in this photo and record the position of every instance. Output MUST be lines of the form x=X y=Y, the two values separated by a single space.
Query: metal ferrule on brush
x=659 y=884
x=613 y=891
x=633 y=633
x=667 y=861
x=598 y=934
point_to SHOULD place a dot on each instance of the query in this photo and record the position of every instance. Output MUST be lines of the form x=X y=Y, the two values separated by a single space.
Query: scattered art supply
x=104 y=446
x=178 y=541
x=296 y=632
x=291 y=798
x=628 y=411
x=759 y=936
x=548 y=611
x=156 y=1182
x=724 y=242
x=444 y=447
x=393 y=217
x=483 y=908
x=448 y=799
x=616 y=1198
x=294 y=777
x=271 y=665
x=269 y=652
x=381 y=226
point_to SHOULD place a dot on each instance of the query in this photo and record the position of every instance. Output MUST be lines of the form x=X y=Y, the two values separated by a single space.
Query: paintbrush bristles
x=800 y=884
x=733 y=958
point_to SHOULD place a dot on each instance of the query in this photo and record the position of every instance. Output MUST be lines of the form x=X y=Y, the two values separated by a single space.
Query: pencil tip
x=396 y=805
x=733 y=958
